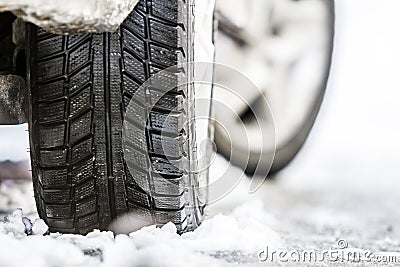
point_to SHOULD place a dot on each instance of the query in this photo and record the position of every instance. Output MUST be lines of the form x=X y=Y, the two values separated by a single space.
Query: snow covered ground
x=342 y=186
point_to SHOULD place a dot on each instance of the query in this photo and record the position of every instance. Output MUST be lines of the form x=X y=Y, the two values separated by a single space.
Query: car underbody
x=91 y=16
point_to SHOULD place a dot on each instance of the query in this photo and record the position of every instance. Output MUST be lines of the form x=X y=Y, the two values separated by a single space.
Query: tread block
x=58 y=211
x=82 y=172
x=42 y=33
x=135 y=22
x=135 y=136
x=169 y=202
x=53 y=136
x=50 y=46
x=138 y=179
x=165 y=9
x=141 y=5
x=80 y=102
x=79 y=79
x=166 y=167
x=75 y=39
x=51 y=112
x=53 y=158
x=164 y=186
x=56 y=196
x=169 y=80
x=50 y=68
x=53 y=178
x=131 y=87
x=135 y=67
x=80 y=127
x=133 y=42
x=85 y=190
x=166 y=34
x=166 y=101
x=79 y=56
x=176 y=217
x=51 y=90
x=164 y=145
x=136 y=113
x=127 y=99
x=136 y=196
x=135 y=159
x=170 y=123
x=163 y=55
x=86 y=221
x=86 y=207
x=82 y=150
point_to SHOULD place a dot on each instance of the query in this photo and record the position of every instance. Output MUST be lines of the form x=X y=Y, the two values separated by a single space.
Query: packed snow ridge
x=72 y=15
x=23 y=242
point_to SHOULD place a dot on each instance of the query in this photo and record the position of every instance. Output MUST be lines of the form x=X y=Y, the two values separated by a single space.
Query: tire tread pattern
x=81 y=86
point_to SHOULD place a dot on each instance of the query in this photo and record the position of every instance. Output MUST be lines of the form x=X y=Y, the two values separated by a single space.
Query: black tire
x=80 y=88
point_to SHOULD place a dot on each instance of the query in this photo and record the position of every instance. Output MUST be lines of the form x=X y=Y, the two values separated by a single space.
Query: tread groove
x=107 y=104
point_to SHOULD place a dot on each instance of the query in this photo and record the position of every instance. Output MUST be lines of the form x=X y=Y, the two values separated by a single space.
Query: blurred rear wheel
x=285 y=48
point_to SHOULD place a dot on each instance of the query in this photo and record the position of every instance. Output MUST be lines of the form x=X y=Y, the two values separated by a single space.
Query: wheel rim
x=284 y=47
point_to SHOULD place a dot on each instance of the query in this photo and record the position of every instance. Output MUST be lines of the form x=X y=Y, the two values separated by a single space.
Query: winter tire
x=80 y=87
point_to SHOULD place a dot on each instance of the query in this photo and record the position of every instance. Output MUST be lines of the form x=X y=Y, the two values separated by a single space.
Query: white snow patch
x=13 y=225
x=39 y=227
x=149 y=246
x=89 y=15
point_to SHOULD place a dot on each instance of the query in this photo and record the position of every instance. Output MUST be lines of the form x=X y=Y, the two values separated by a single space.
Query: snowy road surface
x=344 y=185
